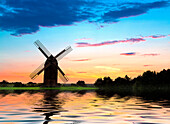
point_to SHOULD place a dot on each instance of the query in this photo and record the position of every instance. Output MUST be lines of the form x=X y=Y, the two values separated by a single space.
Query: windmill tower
x=50 y=66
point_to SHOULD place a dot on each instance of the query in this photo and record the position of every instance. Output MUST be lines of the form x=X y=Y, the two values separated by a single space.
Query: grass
x=49 y=88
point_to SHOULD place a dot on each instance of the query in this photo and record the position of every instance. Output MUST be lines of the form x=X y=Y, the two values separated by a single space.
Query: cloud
x=147 y=65
x=129 y=54
x=156 y=36
x=132 y=9
x=115 y=64
x=129 y=40
x=134 y=71
x=83 y=39
x=81 y=72
x=27 y=16
x=134 y=53
x=27 y=51
x=150 y=54
x=82 y=60
x=108 y=68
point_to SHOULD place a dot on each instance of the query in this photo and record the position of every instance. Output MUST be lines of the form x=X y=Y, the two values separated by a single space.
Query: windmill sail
x=62 y=76
x=63 y=53
x=37 y=71
x=42 y=48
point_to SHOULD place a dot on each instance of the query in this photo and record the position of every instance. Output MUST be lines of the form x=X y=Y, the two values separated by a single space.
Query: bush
x=73 y=85
x=81 y=83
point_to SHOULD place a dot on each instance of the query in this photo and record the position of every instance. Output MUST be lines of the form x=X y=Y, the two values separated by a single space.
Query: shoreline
x=49 y=88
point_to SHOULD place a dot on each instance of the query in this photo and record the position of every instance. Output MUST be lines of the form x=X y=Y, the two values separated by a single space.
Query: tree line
x=5 y=83
x=148 y=78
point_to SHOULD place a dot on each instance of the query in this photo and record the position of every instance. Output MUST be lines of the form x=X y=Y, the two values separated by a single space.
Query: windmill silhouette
x=50 y=66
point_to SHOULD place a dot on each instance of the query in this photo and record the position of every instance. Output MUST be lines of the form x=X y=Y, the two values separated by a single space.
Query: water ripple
x=83 y=107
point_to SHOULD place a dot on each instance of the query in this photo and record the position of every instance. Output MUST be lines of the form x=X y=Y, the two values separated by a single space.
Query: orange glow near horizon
x=88 y=74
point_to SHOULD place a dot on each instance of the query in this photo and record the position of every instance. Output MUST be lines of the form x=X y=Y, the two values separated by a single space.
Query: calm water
x=84 y=107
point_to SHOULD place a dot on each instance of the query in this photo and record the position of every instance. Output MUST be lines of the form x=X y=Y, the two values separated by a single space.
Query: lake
x=81 y=107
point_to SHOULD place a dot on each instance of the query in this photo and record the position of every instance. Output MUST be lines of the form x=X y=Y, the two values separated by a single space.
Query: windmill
x=50 y=66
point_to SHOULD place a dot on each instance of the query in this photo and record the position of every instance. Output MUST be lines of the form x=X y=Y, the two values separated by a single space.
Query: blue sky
x=122 y=27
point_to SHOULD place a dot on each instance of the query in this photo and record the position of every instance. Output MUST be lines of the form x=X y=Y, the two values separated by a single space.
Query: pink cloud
x=156 y=36
x=115 y=64
x=112 y=42
x=27 y=51
x=82 y=60
x=132 y=15
x=83 y=39
x=81 y=72
x=134 y=53
x=100 y=26
x=129 y=54
x=150 y=54
x=134 y=71
x=147 y=65
x=131 y=40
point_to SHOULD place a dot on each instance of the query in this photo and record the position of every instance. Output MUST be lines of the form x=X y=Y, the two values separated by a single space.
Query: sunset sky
x=109 y=37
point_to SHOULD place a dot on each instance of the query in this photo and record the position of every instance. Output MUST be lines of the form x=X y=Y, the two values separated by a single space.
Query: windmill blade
x=62 y=76
x=42 y=48
x=63 y=53
x=38 y=71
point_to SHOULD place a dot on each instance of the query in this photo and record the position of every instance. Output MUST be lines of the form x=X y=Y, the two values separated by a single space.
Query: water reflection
x=145 y=95
x=52 y=106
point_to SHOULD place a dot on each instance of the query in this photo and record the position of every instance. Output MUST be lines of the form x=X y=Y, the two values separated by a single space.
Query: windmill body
x=50 y=67
x=51 y=72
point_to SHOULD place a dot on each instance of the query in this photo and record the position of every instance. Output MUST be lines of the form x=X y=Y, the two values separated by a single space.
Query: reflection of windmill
x=50 y=105
x=50 y=67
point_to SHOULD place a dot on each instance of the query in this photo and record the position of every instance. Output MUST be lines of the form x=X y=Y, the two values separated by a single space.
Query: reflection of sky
x=92 y=23
x=86 y=108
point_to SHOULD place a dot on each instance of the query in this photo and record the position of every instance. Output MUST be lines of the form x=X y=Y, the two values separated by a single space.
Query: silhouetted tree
x=4 y=82
x=107 y=82
x=153 y=78
x=120 y=80
x=81 y=83
x=98 y=82
x=147 y=78
x=18 y=84
x=73 y=85
x=31 y=84
x=127 y=78
x=163 y=77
